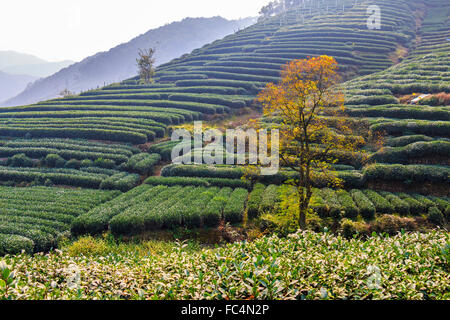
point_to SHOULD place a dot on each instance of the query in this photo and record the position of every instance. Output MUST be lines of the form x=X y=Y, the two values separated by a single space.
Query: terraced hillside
x=222 y=76
x=32 y=219
x=77 y=163
x=113 y=138
x=417 y=130
x=434 y=30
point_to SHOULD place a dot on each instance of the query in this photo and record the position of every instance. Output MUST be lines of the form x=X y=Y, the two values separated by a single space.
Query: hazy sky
x=74 y=29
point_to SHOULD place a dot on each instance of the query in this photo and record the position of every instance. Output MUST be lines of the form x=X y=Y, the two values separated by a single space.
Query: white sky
x=74 y=29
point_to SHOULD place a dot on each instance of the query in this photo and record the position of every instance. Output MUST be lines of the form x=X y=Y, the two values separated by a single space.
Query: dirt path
x=236 y=121
x=159 y=167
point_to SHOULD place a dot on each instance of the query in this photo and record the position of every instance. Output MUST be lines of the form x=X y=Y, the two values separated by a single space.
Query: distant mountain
x=11 y=84
x=41 y=70
x=20 y=63
x=13 y=58
x=119 y=63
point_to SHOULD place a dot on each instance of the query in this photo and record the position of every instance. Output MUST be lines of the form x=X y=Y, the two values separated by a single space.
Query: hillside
x=418 y=135
x=12 y=58
x=119 y=63
x=25 y=64
x=17 y=70
x=12 y=84
x=225 y=75
x=110 y=138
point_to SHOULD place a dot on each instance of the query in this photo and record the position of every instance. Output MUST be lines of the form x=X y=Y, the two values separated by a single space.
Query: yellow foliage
x=313 y=127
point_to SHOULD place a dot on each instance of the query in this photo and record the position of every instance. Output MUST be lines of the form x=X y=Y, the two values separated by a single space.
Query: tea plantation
x=113 y=141
x=32 y=219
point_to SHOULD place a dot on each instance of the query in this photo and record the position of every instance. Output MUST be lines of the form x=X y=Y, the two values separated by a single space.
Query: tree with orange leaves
x=308 y=104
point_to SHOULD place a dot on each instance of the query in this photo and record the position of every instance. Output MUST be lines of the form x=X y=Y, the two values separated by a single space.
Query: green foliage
x=348 y=205
x=254 y=200
x=270 y=199
x=351 y=228
x=406 y=140
x=366 y=207
x=406 y=173
x=20 y=160
x=13 y=244
x=32 y=219
x=206 y=182
x=161 y=207
x=121 y=181
x=382 y=205
x=400 y=206
x=234 y=210
x=104 y=163
x=417 y=150
x=143 y=163
x=54 y=161
x=372 y=100
x=73 y=164
x=178 y=263
x=415 y=207
x=330 y=198
x=96 y=221
x=435 y=216
x=213 y=212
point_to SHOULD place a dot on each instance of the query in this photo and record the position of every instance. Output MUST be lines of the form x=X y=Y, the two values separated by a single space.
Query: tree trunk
x=301 y=216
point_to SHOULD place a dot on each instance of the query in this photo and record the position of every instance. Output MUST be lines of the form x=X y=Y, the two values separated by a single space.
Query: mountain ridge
x=12 y=84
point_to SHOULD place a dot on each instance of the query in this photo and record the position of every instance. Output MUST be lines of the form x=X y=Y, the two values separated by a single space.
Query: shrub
x=406 y=140
x=104 y=163
x=441 y=203
x=14 y=244
x=415 y=150
x=87 y=246
x=406 y=173
x=372 y=100
x=381 y=204
x=199 y=182
x=348 y=205
x=351 y=228
x=86 y=163
x=205 y=171
x=234 y=210
x=391 y=224
x=269 y=199
x=435 y=216
x=332 y=203
x=415 y=207
x=429 y=128
x=73 y=164
x=121 y=181
x=54 y=161
x=143 y=163
x=366 y=207
x=424 y=201
x=214 y=209
x=318 y=205
x=400 y=206
x=254 y=200
x=96 y=220
x=20 y=160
